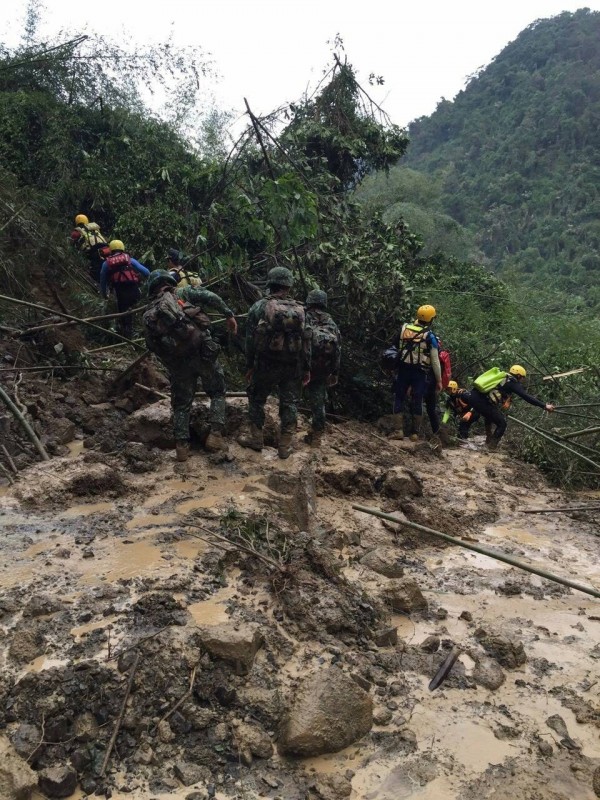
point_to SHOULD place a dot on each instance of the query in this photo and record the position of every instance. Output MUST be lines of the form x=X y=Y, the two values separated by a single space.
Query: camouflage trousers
x=267 y=379
x=184 y=382
x=316 y=394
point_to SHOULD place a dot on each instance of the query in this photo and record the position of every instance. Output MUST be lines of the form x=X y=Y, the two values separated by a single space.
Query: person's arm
x=434 y=355
x=396 y=341
x=515 y=387
x=144 y=271
x=104 y=279
x=204 y=297
x=338 y=356
x=251 y=324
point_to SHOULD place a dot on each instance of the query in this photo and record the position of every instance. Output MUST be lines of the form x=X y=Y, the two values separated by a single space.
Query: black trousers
x=127 y=295
x=489 y=411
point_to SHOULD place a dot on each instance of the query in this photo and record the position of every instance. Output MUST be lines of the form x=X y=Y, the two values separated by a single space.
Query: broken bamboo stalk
x=7 y=474
x=554 y=441
x=51 y=367
x=577 y=371
x=83 y=319
x=133 y=342
x=8 y=457
x=198 y=394
x=485 y=551
x=558 y=510
x=66 y=316
x=575 y=434
x=25 y=425
x=578 y=405
x=270 y=561
x=115 y=732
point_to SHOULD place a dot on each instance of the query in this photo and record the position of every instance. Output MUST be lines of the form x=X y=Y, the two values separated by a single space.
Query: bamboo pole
x=52 y=367
x=485 y=551
x=557 y=510
x=165 y=396
x=554 y=441
x=575 y=434
x=578 y=405
x=83 y=319
x=25 y=425
x=134 y=342
x=66 y=316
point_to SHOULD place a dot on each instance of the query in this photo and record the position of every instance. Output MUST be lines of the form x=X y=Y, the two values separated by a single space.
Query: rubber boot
x=214 y=442
x=315 y=438
x=286 y=440
x=398 y=426
x=254 y=440
x=488 y=432
x=493 y=444
x=182 y=450
x=416 y=421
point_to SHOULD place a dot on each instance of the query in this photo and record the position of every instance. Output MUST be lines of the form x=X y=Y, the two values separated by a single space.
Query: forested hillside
x=514 y=160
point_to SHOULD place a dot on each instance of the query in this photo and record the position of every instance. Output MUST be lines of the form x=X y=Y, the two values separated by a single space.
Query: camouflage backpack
x=169 y=331
x=280 y=333
x=325 y=342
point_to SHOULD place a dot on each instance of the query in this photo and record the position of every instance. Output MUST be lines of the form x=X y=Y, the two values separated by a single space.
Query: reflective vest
x=90 y=238
x=120 y=270
x=414 y=345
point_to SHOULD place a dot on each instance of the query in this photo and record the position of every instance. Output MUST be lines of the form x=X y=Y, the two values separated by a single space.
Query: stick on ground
x=115 y=732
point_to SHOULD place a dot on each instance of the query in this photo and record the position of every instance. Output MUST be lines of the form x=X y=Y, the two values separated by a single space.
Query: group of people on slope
x=289 y=345
x=416 y=354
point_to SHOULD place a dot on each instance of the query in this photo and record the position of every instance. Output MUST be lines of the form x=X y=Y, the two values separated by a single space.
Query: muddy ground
x=245 y=669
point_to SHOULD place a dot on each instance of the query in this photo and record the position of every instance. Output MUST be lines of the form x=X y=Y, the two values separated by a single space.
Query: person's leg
x=127 y=296
x=316 y=395
x=401 y=385
x=492 y=416
x=213 y=383
x=259 y=389
x=183 y=389
x=431 y=405
x=418 y=383
x=290 y=390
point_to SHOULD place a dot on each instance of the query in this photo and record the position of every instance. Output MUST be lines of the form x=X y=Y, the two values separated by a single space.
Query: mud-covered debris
x=40 y=605
x=596 y=781
x=509 y=588
x=329 y=712
x=509 y=653
x=27 y=644
x=85 y=727
x=385 y=561
x=431 y=644
x=157 y=610
x=403 y=596
x=236 y=643
x=466 y=616
x=545 y=748
x=488 y=673
x=557 y=724
x=333 y=787
x=382 y=715
x=26 y=741
x=399 y=483
x=17 y=779
x=58 y=781
x=385 y=637
x=251 y=740
x=190 y=774
x=347 y=478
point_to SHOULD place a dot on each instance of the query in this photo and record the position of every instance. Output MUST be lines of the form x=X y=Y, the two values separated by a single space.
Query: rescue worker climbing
x=87 y=238
x=418 y=358
x=278 y=358
x=492 y=395
x=180 y=272
x=177 y=330
x=458 y=405
x=121 y=273
x=325 y=361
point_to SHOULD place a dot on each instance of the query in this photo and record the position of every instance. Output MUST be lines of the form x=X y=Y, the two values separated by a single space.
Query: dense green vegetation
x=295 y=189
x=514 y=159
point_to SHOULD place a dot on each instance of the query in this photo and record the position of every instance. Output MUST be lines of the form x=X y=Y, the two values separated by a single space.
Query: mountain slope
x=517 y=153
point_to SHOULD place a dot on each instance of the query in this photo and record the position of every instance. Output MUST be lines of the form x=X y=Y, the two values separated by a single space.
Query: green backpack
x=489 y=380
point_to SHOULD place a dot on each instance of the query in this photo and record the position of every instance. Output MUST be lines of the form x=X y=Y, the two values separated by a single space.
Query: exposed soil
x=101 y=564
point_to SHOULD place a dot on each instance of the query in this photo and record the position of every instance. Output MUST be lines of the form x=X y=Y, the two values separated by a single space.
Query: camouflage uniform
x=316 y=391
x=184 y=374
x=270 y=375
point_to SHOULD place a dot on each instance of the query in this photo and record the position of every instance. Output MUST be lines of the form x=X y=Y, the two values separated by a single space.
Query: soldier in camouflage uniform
x=186 y=366
x=326 y=357
x=278 y=351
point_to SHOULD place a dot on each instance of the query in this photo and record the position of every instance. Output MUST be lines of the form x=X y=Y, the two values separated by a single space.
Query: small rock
x=400 y=483
x=546 y=749
x=382 y=716
x=17 y=779
x=596 y=781
x=189 y=773
x=510 y=654
x=202 y=794
x=85 y=727
x=165 y=734
x=144 y=754
x=41 y=605
x=466 y=615
x=58 y=781
x=403 y=596
x=386 y=637
x=234 y=643
x=488 y=673
x=557 y=723
x=252 y=740
x=87 y=552
x=430 y=645
x=385 y=561
x=26 y=740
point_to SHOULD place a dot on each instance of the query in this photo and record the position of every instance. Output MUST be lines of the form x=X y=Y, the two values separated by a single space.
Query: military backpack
x=325 y=343
x=280 y=334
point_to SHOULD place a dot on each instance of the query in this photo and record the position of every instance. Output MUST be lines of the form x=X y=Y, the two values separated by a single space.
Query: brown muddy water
x=471 y=743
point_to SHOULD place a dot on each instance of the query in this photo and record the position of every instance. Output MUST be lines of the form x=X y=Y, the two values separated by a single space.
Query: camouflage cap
x=159 y=277
x=280 y=276
x=316 y=297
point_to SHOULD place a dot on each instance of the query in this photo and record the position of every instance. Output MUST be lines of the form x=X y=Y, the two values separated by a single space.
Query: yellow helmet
x=517 y=369
x=81 y=219
x=116 y=244
x=426 y=313
x=452 y=386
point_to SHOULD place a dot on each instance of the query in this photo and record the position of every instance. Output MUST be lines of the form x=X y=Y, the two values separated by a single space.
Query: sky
x=270 y=51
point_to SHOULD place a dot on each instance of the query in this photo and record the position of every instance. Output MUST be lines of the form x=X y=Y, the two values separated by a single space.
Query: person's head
x=116 y=246
x=81 y=219
x=518 y=371
x=426 y=314
x=452 y=387
x=279 y=280
x=174 y=257
x=160 y=279
x=316 y=298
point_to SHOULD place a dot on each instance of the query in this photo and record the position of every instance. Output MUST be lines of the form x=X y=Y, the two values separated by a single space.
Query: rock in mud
x=329 y=712
x=235 y=643
x=403 y=596
x=26 y=740
x=488 y=673
x=151 y=425
x=189 y=773
x=85 y=727
x=596 y=781
x=251 y=740
x=26 y=645
x=17 y=779
x=507 y=652
x=42 y=604
x=386 y=637
x=385 y=561
x=58 y=781
x=400 y=483
x=347 y=478
x=431 y=644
